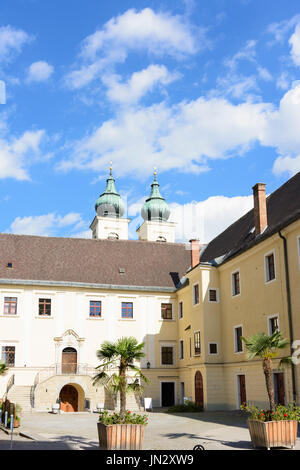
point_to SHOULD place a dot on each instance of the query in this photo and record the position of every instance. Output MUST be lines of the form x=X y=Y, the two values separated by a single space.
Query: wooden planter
x=121 y=436
x=273 y=433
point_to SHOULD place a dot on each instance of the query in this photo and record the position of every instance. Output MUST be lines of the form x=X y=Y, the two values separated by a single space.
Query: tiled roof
x=109 y=262
x=283 y=207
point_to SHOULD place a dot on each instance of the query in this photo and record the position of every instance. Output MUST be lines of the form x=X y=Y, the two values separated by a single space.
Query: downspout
x=289 y=306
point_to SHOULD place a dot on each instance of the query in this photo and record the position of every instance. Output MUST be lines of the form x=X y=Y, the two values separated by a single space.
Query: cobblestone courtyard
x=214 y=430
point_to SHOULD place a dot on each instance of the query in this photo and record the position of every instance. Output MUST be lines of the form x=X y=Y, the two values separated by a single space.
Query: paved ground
x=214 y=430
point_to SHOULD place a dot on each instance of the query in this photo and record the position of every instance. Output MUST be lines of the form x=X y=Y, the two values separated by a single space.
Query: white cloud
x=138 y=85
x=204 y=219
x=46 y=225
x=183 y=137
x=286 y=165
x=17 y=154
x=279 y=30
x=156 y=33
x=295 y=45
x=39 y=71
x=283 y=81
x=11 y=41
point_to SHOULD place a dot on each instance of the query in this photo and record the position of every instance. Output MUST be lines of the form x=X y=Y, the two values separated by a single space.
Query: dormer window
x=9 y=265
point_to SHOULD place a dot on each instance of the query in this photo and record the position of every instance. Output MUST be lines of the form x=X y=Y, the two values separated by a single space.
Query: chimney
x=260 y=208
x=195 y=253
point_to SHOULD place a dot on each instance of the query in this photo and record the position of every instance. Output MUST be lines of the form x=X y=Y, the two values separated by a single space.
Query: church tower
x=108 y=223
x=155 y=213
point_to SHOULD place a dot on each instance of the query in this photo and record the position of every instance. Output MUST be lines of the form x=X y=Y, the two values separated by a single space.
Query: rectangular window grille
x=213 y=348
x=8 y=355
x=180 y=309
x=213 y=295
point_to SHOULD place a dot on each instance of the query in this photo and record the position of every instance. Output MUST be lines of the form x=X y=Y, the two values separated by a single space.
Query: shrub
x=187 y=407
x=110 y=418
x=280 y=413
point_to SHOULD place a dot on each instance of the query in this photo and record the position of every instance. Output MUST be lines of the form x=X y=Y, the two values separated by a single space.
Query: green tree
x=121 y=355
x=3 y=368
x=267 y=348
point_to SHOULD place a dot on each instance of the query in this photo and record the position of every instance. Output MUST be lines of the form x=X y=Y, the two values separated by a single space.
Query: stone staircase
x=20 y=394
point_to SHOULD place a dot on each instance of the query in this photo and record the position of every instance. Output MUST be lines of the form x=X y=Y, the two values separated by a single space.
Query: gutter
x=289 y=308
x=25 y=282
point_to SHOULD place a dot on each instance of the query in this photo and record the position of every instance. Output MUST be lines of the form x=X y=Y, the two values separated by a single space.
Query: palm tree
x=3 y=368
x=122 y=355
x=267 y=348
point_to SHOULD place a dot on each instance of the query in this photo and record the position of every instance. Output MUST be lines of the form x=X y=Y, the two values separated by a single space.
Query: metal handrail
x=64 y=369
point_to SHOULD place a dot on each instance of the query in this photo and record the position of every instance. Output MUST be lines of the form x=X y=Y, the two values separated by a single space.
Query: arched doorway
x=68 y=399
x=199 y=389
x=69 y=361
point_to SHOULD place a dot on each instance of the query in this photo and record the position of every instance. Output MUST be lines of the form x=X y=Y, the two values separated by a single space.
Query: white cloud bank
x=39 y=71
x=47 y=225
x=11 y=41
x=18 y=153
x=156 y=33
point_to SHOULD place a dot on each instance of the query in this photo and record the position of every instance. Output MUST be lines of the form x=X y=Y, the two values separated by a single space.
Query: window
x=197 y=343
x=167 y=355
x=236 y=288
x=238 y=343
x=95 y=308
x=196 y=294
x=213 y=295
x=166 y=311
x=180 y=308
x=273 y=324
x=270 y=267
x=127 y=310
x=181 y=349
x=213 y=348
x=10 y=305
x=8 y=355
x=44 y=307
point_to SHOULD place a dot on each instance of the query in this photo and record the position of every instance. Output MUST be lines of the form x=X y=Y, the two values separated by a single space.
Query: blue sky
x=206 y=90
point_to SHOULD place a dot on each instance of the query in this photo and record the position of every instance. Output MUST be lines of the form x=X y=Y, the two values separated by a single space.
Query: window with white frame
x=166 y=312
x=273 y=324
x=10 y=306
x=181 y=349
x=213 y=348
x=167 y=355
x=8 y=354
x=180 y=309
x=238 y=343
x=270 y=267
x=236 y=283
x=196 y=294
x=197 y=343
x=213 y=295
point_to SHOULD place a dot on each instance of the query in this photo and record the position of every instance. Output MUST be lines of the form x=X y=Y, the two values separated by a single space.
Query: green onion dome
x=110 y=203
x=155 y=207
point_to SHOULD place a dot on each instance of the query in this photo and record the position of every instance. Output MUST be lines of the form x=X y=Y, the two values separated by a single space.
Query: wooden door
x=68 y=399
x=199 y=389
x=242 y=389
x=69 y=361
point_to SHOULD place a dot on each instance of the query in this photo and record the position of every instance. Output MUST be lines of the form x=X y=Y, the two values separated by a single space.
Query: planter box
x=121 y=436
x=273 y=433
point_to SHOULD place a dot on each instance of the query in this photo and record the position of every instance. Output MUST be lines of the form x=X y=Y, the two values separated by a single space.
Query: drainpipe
x=289 y=306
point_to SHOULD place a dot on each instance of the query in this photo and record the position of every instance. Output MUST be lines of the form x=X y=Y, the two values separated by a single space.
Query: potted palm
x=122 y=430
x=276 y=427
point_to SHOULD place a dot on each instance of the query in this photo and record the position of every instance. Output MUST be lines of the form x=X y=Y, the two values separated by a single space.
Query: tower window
x=161 y=239
x=113 y=236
